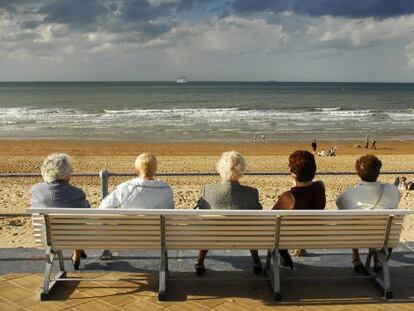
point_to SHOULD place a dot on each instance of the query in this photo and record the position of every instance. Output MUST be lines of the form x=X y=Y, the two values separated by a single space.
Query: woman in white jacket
x=143 y=192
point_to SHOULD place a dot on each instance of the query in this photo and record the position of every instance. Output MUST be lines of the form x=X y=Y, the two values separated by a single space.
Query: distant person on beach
x=314 y=146
x=143 y=192
x=403 y=184
x=373 y=144
x=366 y=142
x=56 y=191
x=263 y=138
x=368 y=194
x=305 y=193
x=255 y=138
x=229 y=194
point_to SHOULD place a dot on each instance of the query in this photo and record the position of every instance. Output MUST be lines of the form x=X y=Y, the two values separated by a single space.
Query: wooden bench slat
x=336 y=232
x=334 y=228
x=110 y=228
x=105 y=221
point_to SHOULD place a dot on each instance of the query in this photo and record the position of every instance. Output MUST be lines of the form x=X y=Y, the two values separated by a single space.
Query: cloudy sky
x=249 y=40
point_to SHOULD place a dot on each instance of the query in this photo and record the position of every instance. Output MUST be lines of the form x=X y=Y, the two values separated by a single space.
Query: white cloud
x=230 y=36
x=45 y=34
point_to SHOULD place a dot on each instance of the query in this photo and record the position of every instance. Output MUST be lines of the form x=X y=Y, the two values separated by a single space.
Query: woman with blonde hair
x=142 y=192
x=229 y=194
x=56 y=191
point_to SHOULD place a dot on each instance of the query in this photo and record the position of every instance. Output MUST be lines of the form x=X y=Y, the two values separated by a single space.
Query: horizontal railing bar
x=15 y=215
x=203 y=174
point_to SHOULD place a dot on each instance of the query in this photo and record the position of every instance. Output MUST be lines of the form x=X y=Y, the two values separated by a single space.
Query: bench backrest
x=68 y=231
x=213 y=229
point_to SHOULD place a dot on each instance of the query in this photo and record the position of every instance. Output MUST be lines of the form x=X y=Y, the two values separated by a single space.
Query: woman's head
x=146 y=165
x=231 y=166
x=302 y=164
x=57 y=166
x=368 y=167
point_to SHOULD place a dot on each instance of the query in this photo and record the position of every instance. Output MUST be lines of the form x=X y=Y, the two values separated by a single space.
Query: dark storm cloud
x=31 y=24
x=142 y=10
x=379 y=9
x=73 y=11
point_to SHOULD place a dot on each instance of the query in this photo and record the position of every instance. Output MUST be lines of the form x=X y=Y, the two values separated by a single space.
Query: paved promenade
x=321 y=281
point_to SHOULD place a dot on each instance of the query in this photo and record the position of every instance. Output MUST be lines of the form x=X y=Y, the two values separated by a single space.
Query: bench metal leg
x=162 y=291
x=273 y=273
x=385 y=283
x=48 y=286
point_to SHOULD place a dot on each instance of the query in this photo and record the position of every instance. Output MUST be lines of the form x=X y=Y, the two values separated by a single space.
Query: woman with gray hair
x=229 y=194
x=56 y=191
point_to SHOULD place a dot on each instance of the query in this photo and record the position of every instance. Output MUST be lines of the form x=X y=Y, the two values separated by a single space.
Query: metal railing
x=104 y=176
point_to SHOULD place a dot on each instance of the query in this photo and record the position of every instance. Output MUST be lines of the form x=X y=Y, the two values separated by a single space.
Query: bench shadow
x=316 y=280
x=302 y=286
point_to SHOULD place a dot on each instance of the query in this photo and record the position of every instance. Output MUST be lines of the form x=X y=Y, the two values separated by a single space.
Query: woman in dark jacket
x=56 y=191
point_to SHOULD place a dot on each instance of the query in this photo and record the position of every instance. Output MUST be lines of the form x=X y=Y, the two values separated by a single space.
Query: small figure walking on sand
x=263 y=138
x=255 y=138
x=366 y=142
x=373 y=143
x=314 y=146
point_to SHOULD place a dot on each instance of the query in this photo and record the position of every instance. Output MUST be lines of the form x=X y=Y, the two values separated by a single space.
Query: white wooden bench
x=57 y=229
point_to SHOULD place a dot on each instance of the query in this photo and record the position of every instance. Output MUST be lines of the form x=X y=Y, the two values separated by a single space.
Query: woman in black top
x=305 y=193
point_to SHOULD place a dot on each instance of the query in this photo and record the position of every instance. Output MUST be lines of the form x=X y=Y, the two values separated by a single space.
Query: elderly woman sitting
x=56 y=191
x=368 y=194
x=305 y=193
x=140 y=193
x=229 y=194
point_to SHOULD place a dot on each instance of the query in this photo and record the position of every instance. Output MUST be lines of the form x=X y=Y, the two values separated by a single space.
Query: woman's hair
x=368 y=167
x=231 y=166
x=146 y=163
x=57 y=166
x=302 y=164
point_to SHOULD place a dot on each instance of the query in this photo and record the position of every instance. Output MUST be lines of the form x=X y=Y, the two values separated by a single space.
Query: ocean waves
x=203 y=123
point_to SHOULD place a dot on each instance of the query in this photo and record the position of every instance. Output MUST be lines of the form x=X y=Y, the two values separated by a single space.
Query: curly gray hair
x=57 y=166
x=231 y=166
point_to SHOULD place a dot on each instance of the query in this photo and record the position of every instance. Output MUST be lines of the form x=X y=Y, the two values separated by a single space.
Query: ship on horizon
x=182 y=79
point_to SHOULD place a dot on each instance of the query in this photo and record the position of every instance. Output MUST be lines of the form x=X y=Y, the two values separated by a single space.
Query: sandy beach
x=24 y=156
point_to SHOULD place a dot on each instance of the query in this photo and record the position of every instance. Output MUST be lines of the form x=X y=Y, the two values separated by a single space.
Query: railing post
x=104 y=175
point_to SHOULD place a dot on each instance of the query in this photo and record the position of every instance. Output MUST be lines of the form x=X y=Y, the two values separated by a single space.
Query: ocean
x=206 y=111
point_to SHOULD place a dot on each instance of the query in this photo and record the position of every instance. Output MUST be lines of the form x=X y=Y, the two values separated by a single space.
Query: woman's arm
x=285 y=201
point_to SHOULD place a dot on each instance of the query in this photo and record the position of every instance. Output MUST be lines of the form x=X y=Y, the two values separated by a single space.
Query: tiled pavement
x=235 y=289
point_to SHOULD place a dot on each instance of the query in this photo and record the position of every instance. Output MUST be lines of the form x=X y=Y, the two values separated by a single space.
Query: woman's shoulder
x=248 y=188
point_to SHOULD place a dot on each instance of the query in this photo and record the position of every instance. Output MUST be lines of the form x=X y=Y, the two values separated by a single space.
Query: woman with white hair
x=56 y=191
x=229 y=194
